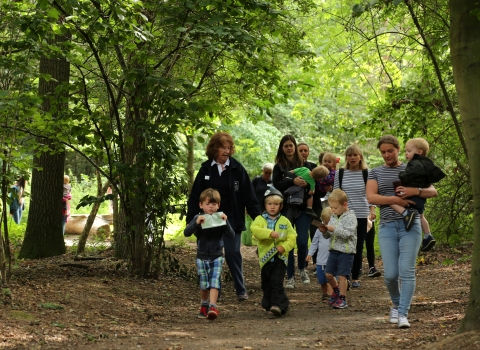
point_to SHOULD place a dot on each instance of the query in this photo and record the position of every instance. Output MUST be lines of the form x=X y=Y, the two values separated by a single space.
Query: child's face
x=411 y=150
x=337 y=208
x=272 y=208
x=328 y=163
x=209 y=207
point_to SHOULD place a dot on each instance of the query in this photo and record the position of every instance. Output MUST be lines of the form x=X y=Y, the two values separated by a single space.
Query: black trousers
x=273 y=275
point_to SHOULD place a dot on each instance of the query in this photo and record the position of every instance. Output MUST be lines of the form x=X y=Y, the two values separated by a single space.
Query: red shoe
x=333 y=299
x=203 y=312
x=212 y=313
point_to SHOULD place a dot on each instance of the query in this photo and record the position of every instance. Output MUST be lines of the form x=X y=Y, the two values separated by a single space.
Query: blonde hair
x=274 y=198
x=355 y=149
x=332 y=157
x=320 y=172
x=420 y=144
x=326 y=214
x=66 y=179
x=339 y=196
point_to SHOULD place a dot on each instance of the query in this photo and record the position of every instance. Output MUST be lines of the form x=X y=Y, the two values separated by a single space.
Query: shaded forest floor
x=101 y=307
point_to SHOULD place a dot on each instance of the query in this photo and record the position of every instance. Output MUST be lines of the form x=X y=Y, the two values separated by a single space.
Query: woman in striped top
x=399 y=247
x=353 y=183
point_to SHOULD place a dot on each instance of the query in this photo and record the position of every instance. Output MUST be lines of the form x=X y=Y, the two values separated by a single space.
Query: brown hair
x=320 y=172
x=320 y=157
x=213 y=196
x=282 y=160
x=388 y=139
x=355 y=149
x=218 y=140
x=421 y=144
x=339 y=196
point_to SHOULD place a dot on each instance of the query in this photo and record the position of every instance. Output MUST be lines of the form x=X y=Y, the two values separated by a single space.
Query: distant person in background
x=262 y=183
x=304 y=151
x=16 y=193
x=67 y=196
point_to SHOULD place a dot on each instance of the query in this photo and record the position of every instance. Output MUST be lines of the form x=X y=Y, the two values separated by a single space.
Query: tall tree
x=43 y=236
x=465 y=53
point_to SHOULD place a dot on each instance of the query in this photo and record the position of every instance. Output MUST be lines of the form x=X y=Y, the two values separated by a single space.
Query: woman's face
x=266 y=174
x=389 y=154
x=353 y=160
x=304 y=151
x=223 y=152
x=289 y=148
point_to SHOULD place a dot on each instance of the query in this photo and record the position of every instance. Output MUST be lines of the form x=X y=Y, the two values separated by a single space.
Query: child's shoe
x=409 y=219
x=333 y=299
x=340 y=304
x=276 y=311
x=428 y=243
x=304 y=276
x=325 y=297
x=203 y=312
x=311 y=213
x=212 y=313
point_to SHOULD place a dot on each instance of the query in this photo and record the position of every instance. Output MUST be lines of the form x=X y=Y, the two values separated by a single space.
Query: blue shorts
x=339 y=264
x=209 y=273
x=322 y=279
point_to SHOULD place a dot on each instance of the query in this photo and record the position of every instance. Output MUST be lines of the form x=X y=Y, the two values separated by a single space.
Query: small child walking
x=276 y=237
x=209 y=250
x=342 y=231
x=321 y=245
x=420 y=172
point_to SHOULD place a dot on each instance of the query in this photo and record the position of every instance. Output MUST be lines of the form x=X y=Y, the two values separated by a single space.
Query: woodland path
x=100 y=307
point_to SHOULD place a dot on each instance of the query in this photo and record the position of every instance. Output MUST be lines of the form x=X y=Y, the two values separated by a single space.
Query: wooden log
x=76 y=223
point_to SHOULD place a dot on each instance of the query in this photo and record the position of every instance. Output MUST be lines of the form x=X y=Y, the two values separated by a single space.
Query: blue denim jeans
x=301 y=225
x=399 y=250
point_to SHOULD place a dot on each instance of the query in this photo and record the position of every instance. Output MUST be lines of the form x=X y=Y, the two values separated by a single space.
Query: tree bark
x=465 y=53
x=43 y=235
x=93 y=214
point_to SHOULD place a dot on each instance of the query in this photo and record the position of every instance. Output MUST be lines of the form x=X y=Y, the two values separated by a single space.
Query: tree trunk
x=43 y=236
x=465 y=53
x=93 y=214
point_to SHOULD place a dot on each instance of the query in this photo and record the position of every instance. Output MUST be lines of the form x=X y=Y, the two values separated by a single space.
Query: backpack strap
x=340 y=177
x=342 y=170
x=365 y=175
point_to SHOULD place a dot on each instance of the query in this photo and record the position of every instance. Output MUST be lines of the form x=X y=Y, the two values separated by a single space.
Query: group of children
x=334 y=241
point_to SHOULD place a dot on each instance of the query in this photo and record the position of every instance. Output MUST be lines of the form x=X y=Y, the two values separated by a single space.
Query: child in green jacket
x=276 y=237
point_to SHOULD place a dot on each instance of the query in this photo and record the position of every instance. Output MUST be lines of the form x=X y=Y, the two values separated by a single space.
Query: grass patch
x=51 y=306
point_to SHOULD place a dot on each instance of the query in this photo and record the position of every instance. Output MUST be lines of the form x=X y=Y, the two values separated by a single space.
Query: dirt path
x=53 y=307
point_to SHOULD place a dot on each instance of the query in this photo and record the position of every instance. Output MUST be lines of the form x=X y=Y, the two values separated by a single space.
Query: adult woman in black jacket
x=225 y=174
x=288 y=158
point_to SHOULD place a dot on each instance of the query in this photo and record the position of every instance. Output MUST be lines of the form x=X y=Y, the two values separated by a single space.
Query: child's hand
x=330 y=228
x=200 y=219
x=280 y=249
x=323 y=229
x=309 y=258
x=310 y=192
x=224 y=217
x=274 y=235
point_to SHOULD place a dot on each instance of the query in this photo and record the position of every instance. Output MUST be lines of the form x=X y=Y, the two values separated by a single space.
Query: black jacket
x=210 y=240
x=282 y=179
x=240 y=192
x=420 y=172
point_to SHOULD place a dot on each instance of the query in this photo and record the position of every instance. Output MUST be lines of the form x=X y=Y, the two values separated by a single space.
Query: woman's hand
x=299 y=181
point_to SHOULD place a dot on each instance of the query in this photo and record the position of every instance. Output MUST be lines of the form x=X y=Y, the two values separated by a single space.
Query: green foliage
x=51 y=306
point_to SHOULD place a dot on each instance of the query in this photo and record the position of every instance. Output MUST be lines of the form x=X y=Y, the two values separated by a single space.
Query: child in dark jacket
x=420 y=172
x=209 y=249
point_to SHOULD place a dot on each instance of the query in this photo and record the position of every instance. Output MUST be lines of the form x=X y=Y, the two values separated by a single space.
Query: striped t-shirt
x=354 y=186
x=385 y=176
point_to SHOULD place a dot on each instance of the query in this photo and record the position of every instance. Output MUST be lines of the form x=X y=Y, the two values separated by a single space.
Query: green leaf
x=397 y=2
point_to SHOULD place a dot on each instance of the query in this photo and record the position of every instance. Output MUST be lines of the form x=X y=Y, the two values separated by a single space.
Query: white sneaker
x=304 y=276
x=290 y=283
x=403 y=322
x=393 y=315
